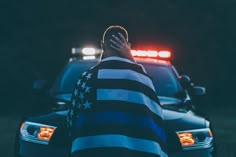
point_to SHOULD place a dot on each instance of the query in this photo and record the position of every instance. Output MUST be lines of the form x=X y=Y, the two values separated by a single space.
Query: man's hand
x=122 y=46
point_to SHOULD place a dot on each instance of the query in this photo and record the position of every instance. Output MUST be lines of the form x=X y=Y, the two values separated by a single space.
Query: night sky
x=37 y=37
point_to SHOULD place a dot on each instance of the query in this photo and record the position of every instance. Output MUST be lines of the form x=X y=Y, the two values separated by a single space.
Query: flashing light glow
x=88 y=51
x=141 y=53
x=151 y=54
x=165 y=54
x=73 y=50
x=154 y=60
x=89 y=57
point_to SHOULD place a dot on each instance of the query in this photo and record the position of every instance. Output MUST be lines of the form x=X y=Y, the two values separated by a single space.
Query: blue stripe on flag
x=87 y=119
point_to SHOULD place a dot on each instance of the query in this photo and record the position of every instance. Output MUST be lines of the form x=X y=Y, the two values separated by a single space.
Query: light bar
x=164 y=54
x=88 y=51
x=151 y=54
x=141 y=53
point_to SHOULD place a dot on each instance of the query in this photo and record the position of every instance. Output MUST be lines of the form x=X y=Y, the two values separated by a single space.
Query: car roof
x=139 y=60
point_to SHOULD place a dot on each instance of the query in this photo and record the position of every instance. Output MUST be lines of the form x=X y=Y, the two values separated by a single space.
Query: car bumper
x=28 y=149
x=194 y=153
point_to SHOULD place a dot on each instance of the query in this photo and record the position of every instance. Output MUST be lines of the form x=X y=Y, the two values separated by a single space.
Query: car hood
x=176 y=118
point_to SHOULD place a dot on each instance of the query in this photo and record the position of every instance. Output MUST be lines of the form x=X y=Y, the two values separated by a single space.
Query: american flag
x=115 y=111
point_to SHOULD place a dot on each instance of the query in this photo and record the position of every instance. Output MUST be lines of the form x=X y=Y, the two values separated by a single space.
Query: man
x=114 y=108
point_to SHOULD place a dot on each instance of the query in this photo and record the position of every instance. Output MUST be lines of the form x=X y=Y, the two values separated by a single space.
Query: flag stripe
x=125 y=74
x=118 y=59
x=122 y=106
x=117 y=128
x=122 y=65
x=128 y=85
x=129 y=96
x=113 y=140
x=121 y=129
x=131 y=120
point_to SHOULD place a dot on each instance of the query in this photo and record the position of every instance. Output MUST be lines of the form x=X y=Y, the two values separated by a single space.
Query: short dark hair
x=114 y=30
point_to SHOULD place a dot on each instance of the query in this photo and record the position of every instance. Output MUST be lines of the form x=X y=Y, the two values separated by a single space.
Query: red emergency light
x=151 y=54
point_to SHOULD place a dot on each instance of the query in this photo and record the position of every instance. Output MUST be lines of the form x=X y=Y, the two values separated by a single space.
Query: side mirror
x=198 y=91
x=185 y=81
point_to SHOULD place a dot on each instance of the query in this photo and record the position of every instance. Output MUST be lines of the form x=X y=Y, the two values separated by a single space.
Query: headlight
x=195 y=139
x=37 y=133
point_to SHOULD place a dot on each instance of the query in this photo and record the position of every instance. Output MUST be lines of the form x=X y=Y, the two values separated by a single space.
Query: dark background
x=37 y=37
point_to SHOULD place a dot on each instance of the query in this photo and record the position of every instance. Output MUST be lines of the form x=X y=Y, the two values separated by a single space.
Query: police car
x=188 y=134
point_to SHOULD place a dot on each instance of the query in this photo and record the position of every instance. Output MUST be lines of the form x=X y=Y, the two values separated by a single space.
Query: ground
x=223 y=119
x=8 y=127
x=224 y=123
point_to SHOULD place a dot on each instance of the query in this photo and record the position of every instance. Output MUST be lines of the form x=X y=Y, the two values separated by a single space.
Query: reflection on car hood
x=169 y=101
x=63 y=97
x=166 y=102
x=178 y=118
x=163 y=100
x=183 y=121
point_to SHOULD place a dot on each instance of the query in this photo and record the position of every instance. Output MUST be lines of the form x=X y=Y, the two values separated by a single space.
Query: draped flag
x=115 y=111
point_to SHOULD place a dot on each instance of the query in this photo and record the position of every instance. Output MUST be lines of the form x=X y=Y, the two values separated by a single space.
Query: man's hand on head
x=121 y=45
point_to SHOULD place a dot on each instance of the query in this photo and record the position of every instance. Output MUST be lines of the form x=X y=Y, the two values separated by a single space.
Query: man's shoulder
x=94 y=68
x=120 y=66
x=117 y=64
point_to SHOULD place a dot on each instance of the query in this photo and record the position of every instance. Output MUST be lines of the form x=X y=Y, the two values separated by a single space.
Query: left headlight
x=195 y=139
x=36 y=132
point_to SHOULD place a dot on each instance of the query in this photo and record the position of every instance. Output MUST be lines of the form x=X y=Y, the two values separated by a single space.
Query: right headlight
x=195 y=139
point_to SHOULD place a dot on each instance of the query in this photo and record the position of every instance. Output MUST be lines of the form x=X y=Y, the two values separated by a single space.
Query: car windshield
x=164 y=78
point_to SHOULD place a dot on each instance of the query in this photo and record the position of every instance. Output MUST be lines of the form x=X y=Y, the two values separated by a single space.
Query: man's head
x=107 y=36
